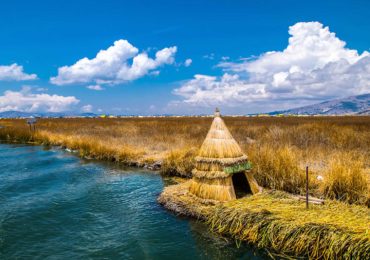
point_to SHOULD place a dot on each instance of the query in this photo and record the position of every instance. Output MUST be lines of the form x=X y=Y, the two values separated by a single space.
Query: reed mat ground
x=278 y=222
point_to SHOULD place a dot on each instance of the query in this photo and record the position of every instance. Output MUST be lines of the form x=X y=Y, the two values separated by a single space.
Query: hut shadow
x=241 y=185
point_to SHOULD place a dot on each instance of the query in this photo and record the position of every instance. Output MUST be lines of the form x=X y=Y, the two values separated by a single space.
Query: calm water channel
x=54 y=205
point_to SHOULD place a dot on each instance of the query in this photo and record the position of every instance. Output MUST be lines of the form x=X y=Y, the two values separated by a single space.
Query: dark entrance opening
x=241 y=185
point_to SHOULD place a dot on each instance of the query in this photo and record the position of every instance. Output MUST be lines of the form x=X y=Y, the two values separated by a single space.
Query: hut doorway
x=241 y=185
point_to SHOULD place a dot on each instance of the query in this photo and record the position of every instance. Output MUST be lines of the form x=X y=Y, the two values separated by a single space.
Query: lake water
x=54 y=205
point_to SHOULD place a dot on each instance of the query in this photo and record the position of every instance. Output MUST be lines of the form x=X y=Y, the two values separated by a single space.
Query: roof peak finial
x=217 y=112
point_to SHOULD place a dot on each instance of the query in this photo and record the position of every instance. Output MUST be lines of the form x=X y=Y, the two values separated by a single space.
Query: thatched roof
x=220 y=146
x=219 y=158
x=219 y=154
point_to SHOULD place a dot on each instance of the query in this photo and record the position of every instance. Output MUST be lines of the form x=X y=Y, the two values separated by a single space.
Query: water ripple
x=56 y=206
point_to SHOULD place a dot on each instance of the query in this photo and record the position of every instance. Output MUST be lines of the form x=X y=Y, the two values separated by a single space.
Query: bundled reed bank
x=278 y=222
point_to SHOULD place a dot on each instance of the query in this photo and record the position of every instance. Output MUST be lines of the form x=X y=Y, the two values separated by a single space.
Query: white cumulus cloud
x=188 y=62
x=316 y=65
x=119 y=63
x=26 y=101
x=87 y=108
x=207 y=90
x=14 y=72
x=95 y=87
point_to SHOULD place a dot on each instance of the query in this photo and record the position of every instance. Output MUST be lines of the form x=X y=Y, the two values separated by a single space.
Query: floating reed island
x=336 y=148
x=224 y=193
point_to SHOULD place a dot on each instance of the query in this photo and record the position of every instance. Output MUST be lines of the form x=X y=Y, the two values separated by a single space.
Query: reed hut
x=222 y=169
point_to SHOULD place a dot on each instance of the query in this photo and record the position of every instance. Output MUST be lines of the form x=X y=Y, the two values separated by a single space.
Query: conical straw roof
x=220 y=157
x=219 y=145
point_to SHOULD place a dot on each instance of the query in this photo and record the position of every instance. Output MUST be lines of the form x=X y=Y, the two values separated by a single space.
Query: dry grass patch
x=278 y=168
x=279 y=148
x=345 y=179
x=179 y=162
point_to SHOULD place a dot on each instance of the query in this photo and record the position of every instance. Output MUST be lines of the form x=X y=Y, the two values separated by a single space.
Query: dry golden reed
x=346 y=180
x=278 y=168
x=215 y=189
x=279 y=148
x=280 y=223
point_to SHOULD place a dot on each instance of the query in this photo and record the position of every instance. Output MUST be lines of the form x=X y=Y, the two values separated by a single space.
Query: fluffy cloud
x=188 y=62
x=87 y=108
x=206 y=90
x=119 y=63
x=26 y=101
x=14 y=72
x=95 y=87
x=314 y=66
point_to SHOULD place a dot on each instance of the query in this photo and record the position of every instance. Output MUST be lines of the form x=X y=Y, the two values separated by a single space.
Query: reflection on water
x=53 y=204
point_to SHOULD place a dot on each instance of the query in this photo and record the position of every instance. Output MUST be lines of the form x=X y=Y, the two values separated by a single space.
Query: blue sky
x=210 y=53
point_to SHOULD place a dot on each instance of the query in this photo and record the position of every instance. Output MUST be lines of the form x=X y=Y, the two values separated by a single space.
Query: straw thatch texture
x=216 y=189
x=255 y=188
x=219 y=158
x=205 y=174
x=220 y=146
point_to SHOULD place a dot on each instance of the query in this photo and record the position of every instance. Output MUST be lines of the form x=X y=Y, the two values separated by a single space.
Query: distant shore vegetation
x=336 y=149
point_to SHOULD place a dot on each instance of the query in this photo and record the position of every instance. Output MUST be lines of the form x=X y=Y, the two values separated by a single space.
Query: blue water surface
x=54 y=205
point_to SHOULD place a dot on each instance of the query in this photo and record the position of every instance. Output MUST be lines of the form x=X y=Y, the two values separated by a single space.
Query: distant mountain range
x=354 y=105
